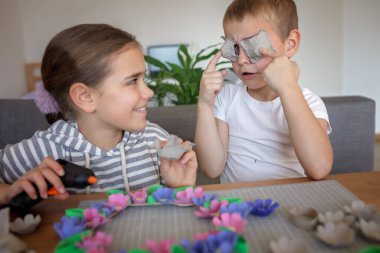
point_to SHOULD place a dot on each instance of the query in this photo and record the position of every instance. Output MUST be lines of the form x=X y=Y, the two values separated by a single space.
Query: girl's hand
x=181 y=172
x=49 y=170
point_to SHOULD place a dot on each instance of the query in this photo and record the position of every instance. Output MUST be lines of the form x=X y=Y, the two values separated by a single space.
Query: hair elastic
x=44 y=100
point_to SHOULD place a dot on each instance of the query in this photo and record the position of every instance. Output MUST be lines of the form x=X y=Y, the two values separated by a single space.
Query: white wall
x=361 y=50
x=320 y=53
x=12 y=59
x=328 y=56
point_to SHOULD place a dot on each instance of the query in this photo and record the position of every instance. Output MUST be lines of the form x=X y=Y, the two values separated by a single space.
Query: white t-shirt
x=259 y=145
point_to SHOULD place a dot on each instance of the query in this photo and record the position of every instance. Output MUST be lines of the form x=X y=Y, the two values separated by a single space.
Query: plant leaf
x=155 y=62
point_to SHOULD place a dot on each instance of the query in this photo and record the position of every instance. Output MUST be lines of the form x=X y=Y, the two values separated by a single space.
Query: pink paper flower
x=198 y=192
x=213 y=211
x=96 y=244
x=185 y=197
x=119 y=201
x=163 y=246
x=93 y=218
x=139 y=197
x=231 y=221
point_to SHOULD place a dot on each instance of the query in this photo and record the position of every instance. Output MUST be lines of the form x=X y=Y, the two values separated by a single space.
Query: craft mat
x=136 y=225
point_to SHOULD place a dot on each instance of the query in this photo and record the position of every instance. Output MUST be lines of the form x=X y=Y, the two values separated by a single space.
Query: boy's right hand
x=49 y=170
x=211 y=83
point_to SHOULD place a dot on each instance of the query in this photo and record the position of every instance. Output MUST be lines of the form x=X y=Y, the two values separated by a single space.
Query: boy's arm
x=211 y=135
x=308 y=134
x=211 y=138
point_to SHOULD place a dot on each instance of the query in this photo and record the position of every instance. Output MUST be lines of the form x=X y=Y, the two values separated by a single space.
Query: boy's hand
x=181 y=172
x=212 y=82
x=281 y=73
x=49 y=170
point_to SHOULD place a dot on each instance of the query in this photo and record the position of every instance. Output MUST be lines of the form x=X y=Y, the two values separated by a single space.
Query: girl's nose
x=146 y=92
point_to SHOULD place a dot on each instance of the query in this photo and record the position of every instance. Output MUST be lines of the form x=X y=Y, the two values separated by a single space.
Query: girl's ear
x=292 y=43
x=82 y=97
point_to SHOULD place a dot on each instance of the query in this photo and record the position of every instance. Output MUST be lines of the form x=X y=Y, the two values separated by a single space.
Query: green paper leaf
x=241 y=245
x=177 y=249
x=231 y=200
x=180 y=189
x=78 y=212
x=138 y=251
x=150 y=200
x=153 y=188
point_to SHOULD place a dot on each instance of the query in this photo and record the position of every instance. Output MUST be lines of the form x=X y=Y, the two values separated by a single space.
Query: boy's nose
x=243 y=58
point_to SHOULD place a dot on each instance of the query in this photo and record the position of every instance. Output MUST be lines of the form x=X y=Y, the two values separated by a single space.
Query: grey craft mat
x=136 y=225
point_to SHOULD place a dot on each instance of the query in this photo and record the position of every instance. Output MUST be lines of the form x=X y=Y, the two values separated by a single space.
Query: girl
x=95 y=74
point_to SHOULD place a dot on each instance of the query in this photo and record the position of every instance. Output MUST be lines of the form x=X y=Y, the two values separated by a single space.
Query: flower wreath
x=77 y=228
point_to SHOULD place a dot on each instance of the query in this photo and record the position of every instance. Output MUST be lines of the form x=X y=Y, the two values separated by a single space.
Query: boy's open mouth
x=248 y=75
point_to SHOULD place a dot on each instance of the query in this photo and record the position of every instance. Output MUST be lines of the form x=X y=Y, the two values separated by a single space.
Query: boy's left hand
x=181 y=172
x=281 y=73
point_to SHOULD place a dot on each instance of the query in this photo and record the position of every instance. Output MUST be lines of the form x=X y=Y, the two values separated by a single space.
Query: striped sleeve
x=17 y=159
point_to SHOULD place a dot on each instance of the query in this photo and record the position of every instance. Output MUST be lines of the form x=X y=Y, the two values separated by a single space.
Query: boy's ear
x=292 y=43
x=82 y=97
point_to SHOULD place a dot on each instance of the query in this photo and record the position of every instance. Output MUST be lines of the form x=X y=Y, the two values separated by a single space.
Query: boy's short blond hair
x=281 y=13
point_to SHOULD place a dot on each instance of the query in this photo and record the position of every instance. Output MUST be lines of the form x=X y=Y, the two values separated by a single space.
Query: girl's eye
x=133 y=81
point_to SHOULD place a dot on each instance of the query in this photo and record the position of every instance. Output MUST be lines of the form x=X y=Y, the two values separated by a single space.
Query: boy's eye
x=236 y=49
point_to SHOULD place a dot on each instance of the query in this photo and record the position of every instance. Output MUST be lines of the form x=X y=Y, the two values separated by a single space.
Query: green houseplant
x=182 y=80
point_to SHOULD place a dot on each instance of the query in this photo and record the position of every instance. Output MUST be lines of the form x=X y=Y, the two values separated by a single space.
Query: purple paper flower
x=231 y=221
x=103 y=207
x=164 y=195
x=139 y=197
x=185 y=197
x=69 y=226
x=213 y=210
x=96 y=244
x=163 y=246
x=221 y=241
x=205 y=198
x=204 y=236
x=93 y=218
x=263 y=207
x=119 y=201
x=242 y=208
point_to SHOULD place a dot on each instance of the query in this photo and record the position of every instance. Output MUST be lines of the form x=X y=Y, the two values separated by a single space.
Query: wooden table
x=365 y=185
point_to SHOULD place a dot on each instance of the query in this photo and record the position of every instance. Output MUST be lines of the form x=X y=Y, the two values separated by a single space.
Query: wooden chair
x=33 y=75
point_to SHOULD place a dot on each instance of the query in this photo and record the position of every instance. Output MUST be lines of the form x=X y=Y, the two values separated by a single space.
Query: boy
x=268 y=127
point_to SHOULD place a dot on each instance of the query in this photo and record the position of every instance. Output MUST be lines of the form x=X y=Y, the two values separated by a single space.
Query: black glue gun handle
x=75 y=177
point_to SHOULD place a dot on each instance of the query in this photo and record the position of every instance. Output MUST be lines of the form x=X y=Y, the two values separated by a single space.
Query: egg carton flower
x=93 y=218
x=97 y=243
x=139 y=197
x=230 y=221
x=119 y=201
x=164 y=195
x=262 y=207
x=185 y=197
x=69 y=226
x=212 y=210
x=243 y=209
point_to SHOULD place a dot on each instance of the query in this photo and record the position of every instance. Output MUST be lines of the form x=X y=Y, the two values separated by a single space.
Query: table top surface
x=365 y=185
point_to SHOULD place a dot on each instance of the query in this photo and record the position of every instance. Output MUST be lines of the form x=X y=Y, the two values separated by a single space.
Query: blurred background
x=339 y=51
